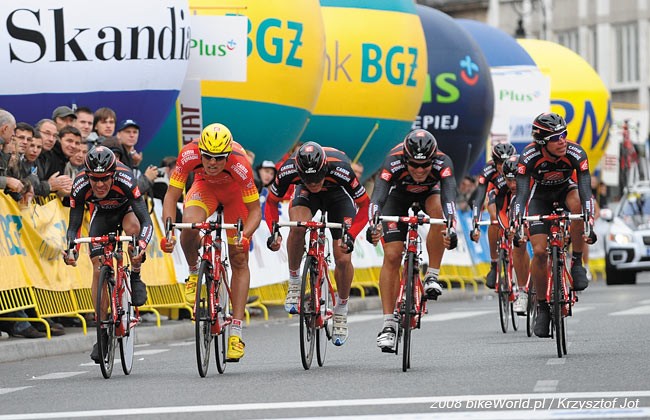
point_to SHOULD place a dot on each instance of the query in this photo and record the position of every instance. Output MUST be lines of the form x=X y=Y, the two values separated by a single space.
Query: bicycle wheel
x=504 y=294
x=409 y=311
x=223 y=315
x=307 y=315
x=513 y=315
x=202 y=318
x=105 y=325
x=556 y=308
x=128 y=341
x=324 y=334
x=531 y=309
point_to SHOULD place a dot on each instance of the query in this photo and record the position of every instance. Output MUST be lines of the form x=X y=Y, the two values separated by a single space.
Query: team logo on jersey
x=584 y=165
x=446 y=172
x=521 y=169
x=385 y=175
x=355 y=183
x=136 y=192
x=347 y=221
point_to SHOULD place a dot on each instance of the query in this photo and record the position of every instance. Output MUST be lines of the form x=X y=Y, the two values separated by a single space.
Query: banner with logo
x=218 y=48
x=34 y=238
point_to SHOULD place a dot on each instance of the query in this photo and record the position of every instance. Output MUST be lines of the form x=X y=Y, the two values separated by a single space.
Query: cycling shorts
x=336 y=202
x=543 y=200
x=103 y=222
x=398 y=204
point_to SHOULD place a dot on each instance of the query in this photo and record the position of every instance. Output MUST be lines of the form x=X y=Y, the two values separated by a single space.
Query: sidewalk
x=14 y=349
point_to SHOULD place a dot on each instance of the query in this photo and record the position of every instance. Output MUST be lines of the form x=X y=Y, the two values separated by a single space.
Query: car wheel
x=615 y=277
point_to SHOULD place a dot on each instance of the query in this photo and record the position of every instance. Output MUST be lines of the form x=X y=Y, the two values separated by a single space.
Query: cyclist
x=487 y=180
x=222 y=175
x=500 y=198
x=414 y=171
x=324 y=181
x=551 y=161
x=110 y=190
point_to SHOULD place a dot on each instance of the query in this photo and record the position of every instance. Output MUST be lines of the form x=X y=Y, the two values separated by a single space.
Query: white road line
x=549 y=385
x=639 y=310
x=182 y=344
x=556 y=361
x=57 y=375
x=428 y=403
x=10 y=390
x=149 y=352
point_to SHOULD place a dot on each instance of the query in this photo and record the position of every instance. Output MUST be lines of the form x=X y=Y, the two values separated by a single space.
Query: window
x=570 y=40
x=626 y=43
x=591 y=48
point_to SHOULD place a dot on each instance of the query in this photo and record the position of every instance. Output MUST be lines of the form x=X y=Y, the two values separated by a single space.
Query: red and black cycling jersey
x=550 y=173
x=339 y=176
x=123 y=193
x=488 y=176
x=394 y=175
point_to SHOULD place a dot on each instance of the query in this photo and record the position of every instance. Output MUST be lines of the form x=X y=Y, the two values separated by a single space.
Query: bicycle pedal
x=388 y=350
x=232 y=360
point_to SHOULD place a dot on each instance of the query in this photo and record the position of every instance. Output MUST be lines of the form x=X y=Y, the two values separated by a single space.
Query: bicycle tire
x=324 y=334
x=127 y=342
x=202 y=319
x=504 y=294
x=409 y=311
x=307 y=316
x=514 y=316
x=556 y=310
x=106 y=326
x=220 y=342
x=531 y=310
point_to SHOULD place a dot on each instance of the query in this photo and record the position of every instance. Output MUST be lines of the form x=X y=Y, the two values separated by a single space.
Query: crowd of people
x=71 y=153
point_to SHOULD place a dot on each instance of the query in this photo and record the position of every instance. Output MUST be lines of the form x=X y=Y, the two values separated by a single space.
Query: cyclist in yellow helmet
x=222 y=175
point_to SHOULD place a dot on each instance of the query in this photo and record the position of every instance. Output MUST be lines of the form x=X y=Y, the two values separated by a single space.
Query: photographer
x=161 y=182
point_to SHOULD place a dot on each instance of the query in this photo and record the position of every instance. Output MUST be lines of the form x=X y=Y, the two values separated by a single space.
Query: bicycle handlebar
x=104 y=239
x=420 y=220
x=311 y=224
x=552 y=217
x=207 y=225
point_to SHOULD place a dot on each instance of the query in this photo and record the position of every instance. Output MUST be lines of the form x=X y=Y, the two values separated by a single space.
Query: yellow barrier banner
x=31 y=248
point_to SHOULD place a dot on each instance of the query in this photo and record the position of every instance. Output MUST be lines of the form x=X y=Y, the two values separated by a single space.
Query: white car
x=627 y=243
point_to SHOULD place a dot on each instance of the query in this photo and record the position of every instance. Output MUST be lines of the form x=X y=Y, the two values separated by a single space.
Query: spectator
x=84 y=122
x=145 y=181
x=29 y=168
x=266 y=173
x=7 y=128
x=465 y=190
x=159 y=189
x=67 y=145
x=357 y=167
x=63 y=116
x=104 y=122
x=46 y=129
x=128 y=134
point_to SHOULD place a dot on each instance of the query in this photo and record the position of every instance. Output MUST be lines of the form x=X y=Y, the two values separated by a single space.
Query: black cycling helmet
x=419 y=144
x=509 y=168
x=546 y=126
x=311 y=162
x=100 y=160
x=502 y=151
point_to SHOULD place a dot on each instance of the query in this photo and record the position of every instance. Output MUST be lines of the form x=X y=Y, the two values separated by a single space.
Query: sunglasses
x=103 y=179
x=218 y=158
x=556 y=137
x=419 y=165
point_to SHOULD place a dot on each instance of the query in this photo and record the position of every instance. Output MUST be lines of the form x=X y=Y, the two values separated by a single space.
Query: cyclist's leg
x=389 y=275
x=578 y=272
x=131 y=227
x=493 y=237
x=435 y=247
x=303 y=207
x=200 y=203
x=541 y=202
x=233 y=209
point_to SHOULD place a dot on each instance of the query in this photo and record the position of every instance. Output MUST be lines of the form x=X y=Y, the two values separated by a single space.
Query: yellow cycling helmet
x=216 y=140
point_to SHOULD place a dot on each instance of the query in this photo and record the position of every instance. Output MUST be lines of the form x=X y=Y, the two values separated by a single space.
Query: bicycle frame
x=113 y=258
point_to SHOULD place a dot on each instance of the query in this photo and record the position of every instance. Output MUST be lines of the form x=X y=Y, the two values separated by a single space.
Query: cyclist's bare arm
x=169 y=212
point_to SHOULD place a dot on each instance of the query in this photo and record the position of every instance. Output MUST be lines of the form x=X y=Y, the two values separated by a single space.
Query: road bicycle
x=316 y=304
x=211 y=312
x=506 y=282
x=531 y=307
x=411 y=303
x=559 y=291
x=114 y=293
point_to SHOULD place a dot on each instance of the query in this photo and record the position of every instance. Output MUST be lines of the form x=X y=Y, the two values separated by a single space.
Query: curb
x=17 y=349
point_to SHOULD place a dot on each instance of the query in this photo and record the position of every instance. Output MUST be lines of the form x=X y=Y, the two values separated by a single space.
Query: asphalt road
x=463 y=366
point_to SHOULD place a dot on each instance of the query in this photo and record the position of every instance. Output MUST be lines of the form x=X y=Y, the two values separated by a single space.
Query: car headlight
x=620 y=238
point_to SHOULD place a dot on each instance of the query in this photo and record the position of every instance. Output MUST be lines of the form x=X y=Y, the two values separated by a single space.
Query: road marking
x=556 y=361
x=57 y=375
x=10 y=390
x=546 y=386
x=428 y=402
x=639 y=310
x=453 y=315
x=182 y=344
x=149 y=352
